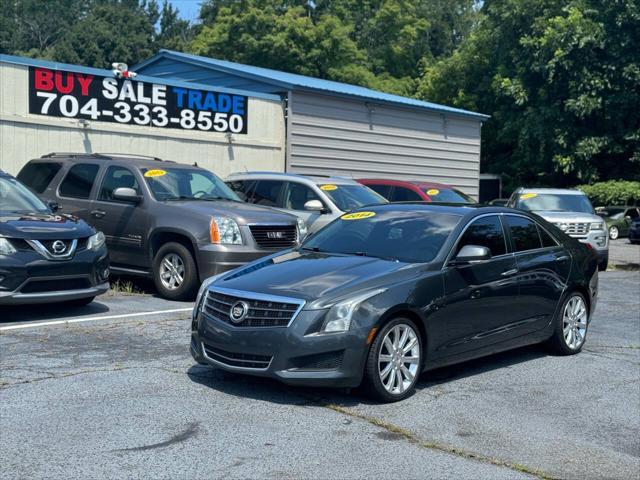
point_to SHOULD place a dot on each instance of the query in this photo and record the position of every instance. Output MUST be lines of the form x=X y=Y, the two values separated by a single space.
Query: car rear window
x=79 y=181
x=38 y=175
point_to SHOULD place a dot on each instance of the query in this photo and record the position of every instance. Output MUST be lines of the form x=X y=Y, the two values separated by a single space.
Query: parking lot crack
x=399 y=432
x=190 y=431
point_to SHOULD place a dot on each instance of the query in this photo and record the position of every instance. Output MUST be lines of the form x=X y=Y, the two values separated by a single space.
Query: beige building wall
x=24 y=136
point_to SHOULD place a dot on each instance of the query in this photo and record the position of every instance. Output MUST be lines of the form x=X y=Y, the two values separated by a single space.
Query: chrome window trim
x=262 y=297
x=42 y=250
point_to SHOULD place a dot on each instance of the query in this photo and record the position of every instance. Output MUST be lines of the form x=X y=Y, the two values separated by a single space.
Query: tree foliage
x=560 y=78
x=91 y=32
x=561 y=82
x=613 y=192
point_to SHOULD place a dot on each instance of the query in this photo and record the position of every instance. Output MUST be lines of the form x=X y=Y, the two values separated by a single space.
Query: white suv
x=569 y=210
x=317 y=200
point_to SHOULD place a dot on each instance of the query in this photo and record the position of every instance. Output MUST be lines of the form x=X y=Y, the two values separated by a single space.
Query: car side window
x=242 y=188
x=632 y=212
x=383 y=190
x=547 y=240
x=524 y=233
x=79 y=181
x=401 y=194
x=117 y=177
x=485 y=232
x=297 y=194
x=37 y=176
x=267 y=192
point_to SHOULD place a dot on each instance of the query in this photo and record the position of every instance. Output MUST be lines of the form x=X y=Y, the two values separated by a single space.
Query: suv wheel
x=394 y=361
x=174 y=272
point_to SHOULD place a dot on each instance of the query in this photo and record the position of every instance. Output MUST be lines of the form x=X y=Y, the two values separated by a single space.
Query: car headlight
x=339 y=316
x=201 y=296
x=96 y=241
x=225 y=230
x=302 y=229
x=5 y=247
x=597 y=226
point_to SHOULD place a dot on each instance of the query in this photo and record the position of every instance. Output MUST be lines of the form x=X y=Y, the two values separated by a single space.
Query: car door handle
x=563 y=258
x=98 y=213
x=508 y=273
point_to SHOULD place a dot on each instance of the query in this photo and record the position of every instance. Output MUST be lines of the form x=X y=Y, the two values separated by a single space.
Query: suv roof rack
x=131 y=155
x=72 y=154
x=103 y=156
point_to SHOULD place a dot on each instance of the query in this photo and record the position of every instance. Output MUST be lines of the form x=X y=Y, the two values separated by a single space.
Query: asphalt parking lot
x=114 y=392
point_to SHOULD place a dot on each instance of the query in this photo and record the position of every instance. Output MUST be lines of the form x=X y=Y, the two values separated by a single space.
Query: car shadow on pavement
x=50 y=311
x=266 y=389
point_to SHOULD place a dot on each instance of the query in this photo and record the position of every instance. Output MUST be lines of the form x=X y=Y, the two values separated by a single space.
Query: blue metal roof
x=292 y=81
x=34 y=62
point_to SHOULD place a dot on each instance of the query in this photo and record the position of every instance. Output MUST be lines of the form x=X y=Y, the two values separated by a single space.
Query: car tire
x=614 y=233
x=375 y=383
x=604 y=263
x=174 y=272
x=564 y=340
x=81 y=302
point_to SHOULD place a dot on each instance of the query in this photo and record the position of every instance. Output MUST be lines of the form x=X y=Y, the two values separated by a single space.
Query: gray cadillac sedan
x=386 y=292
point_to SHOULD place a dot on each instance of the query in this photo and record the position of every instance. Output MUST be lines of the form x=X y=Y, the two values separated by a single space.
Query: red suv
x=409 y=191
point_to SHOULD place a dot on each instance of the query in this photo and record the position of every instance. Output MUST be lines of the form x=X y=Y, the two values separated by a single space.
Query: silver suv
x=316 y=200
x=569 y=210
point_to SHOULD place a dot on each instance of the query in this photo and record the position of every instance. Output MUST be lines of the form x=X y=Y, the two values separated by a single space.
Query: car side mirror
x=472 y=253
x=53 y=206
x=627 y=217
x=126 y=194
x=314 y=206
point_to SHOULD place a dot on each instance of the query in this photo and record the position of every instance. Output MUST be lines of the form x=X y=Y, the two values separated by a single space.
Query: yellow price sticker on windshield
x=358 y=215
x=526 y=196
x=433 y=191
x=328 y=188
x=155 y=173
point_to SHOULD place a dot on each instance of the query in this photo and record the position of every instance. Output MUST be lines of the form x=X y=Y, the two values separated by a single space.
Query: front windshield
x=554 y=202
x=350 y=197
x=404 y=235
x=16 y=198
x=186 y=184
x=448 y=196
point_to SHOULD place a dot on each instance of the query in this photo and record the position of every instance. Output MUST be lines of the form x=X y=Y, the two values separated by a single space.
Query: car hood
x=310 y=276
x=242 y=213
x=43 y=226
x=559 y=217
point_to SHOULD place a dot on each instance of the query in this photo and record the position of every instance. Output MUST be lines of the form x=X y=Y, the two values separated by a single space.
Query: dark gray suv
x=174 y=222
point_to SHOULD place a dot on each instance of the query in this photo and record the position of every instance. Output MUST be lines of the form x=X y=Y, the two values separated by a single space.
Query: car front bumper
x=288 y=354
x=28 y=278
x=216 y=259
x=634 y=234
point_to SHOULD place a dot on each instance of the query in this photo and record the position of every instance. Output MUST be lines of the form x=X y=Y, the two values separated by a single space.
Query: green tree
x=560 y=80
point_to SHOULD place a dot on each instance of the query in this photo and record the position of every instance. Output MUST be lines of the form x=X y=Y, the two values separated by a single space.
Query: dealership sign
x=58 y=93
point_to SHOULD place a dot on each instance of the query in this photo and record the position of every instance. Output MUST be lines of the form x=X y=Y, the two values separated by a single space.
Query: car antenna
x=195 y=164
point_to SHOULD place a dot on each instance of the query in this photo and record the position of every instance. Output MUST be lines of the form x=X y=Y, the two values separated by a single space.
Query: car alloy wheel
x=574 y=322
x=614 y=233
x=399 y=359
x=171 y=271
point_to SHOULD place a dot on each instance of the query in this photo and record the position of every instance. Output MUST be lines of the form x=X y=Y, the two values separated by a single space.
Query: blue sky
x=188 y=8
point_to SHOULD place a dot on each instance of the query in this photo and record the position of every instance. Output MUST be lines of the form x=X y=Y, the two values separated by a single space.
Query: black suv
x=46 y=257
x=174 y=222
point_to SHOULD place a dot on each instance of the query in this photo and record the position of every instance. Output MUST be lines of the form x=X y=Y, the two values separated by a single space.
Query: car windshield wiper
x=381 y=257
x=313 y=249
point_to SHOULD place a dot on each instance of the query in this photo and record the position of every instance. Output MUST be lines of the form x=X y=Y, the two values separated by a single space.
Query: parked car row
x=376 y=293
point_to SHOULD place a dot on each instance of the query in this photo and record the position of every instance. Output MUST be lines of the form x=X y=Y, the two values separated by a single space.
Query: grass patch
x=124 y=287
